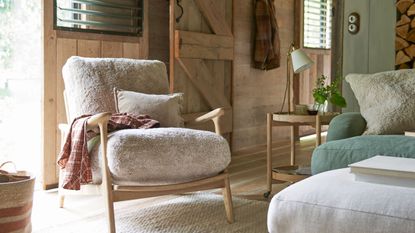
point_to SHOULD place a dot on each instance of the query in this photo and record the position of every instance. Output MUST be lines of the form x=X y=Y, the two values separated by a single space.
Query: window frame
x=66 y=30
x=302 y=41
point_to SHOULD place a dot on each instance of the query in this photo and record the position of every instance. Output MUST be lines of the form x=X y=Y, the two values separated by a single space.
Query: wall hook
x=181 y=10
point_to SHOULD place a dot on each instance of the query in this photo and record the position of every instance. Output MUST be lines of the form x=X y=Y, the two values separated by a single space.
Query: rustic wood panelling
x=200 y=75
x=203 y=46
x=159 y=30
x=211 y=82
x=256 y=92
x=49 y=96
x=132 y=50
x=215 y=14
x=89 y=48
x=112 y=49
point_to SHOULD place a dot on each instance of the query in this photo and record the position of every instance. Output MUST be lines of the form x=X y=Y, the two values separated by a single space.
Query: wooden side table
x=291 y=120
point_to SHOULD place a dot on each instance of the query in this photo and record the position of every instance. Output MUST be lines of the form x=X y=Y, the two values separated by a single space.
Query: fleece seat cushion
x=386 y=100
x=89 y=82
x=162 y=156
x=334 y=202
x=341 y=153
x=166 y=109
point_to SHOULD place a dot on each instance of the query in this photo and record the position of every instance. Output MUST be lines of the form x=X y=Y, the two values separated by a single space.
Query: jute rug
x=189 y=213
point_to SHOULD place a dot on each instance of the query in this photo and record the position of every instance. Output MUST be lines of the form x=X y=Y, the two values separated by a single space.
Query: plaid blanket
x=74 y=157
x=267 y=53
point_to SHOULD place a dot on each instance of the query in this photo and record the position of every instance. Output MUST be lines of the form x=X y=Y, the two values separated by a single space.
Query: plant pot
x=322 y=108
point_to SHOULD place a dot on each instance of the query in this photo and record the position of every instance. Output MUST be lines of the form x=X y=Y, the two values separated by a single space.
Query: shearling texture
x=162 y=156
x=166 y=109
x=89 y=82
x=387 y=100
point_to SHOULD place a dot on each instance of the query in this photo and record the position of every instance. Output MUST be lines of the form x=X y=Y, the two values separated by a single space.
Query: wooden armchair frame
x=113 y=193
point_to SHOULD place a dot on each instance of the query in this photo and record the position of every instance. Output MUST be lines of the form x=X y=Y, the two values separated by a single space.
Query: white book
x=385 y=170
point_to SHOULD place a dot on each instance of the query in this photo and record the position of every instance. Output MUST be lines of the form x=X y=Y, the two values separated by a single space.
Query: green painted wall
x=373 y=48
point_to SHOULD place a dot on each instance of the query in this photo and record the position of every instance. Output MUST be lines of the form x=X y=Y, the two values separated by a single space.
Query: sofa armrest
x=346 y=125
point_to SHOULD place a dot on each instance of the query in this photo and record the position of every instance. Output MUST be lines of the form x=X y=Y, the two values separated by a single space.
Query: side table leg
x=269 y=155
x=292 y=161
x=318 y=130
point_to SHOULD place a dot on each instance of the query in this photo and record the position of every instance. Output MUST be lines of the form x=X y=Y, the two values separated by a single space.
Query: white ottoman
x=333 y=202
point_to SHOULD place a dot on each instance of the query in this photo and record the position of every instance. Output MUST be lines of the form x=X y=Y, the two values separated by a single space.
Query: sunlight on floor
x=46 y=212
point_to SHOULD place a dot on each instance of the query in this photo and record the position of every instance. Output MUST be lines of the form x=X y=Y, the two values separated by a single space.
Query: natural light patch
x=20 y=79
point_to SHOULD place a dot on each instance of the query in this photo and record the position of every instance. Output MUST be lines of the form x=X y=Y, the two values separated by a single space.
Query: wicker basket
x=16 y=200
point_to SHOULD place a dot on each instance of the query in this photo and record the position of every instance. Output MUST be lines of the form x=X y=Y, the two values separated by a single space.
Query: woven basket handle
x=8 y=162
x=11 y=176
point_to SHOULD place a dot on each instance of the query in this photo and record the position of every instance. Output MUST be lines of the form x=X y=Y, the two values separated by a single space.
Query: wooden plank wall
x=322 y=65
x=193 y=21
x=158 y=30
x=256 y=92
x=58 y=47
x=307 y=80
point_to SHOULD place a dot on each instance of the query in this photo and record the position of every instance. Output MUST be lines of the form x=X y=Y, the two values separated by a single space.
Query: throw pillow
x=164 y=108
x=387 y=100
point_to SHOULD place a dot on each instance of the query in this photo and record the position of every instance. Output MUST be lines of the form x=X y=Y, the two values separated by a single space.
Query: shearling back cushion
x=89 y=82
x=387 y=100
x=166 y=109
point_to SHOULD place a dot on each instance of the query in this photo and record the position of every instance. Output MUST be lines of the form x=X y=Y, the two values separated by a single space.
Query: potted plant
x=327 y=93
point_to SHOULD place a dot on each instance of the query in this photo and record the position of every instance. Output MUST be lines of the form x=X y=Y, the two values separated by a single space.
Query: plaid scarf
x=74 y=157
x=267 y=53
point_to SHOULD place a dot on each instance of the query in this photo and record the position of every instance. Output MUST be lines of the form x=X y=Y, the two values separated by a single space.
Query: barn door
x=201 y=55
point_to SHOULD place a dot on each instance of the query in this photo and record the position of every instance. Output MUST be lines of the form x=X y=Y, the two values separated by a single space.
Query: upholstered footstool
x=333 y=202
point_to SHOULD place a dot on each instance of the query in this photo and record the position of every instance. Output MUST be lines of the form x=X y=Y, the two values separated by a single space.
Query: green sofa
x=346 y=144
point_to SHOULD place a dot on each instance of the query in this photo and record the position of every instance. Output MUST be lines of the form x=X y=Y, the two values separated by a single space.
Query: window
x=121 y=17
x=317 y=24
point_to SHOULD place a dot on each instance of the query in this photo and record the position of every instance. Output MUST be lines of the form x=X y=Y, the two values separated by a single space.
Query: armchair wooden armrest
x=214 y=115
x=98 y=119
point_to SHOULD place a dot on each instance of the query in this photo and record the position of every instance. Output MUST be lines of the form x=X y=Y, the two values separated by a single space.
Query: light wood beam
x=49 y=96
x=199 y=74
x=215 y=19
x=203 y=46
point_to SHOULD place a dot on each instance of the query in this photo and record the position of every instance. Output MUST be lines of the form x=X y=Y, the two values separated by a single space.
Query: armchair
x=135 y=163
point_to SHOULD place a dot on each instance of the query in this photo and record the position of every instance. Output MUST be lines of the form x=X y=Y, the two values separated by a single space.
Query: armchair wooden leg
x=227 y=198
x=61 y=200
x=109 y=204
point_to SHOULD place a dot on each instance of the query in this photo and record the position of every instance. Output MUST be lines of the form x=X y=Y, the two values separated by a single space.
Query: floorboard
x=247 y=175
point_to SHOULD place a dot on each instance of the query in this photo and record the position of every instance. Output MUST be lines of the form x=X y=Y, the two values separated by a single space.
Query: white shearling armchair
x=139 y=163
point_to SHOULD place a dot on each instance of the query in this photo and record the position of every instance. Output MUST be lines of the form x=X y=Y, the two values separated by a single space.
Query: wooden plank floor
x=247 y=173
x=248 y=168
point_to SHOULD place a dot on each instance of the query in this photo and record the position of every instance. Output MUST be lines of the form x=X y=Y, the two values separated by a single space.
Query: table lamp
x=300 y=62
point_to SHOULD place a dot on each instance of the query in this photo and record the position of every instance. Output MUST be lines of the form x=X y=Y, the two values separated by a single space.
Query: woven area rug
x=188 y=213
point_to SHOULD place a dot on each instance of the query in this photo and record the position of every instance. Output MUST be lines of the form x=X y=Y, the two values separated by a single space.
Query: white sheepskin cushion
x=89 y=82
x=162 y=156
x=387 y=100
x=166 y=109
